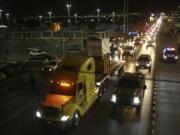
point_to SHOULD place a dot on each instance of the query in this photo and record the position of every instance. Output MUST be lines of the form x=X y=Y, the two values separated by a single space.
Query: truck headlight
x=64 y=118
x=114 y=98
x=136 y=100
x=38 y=114
x=165 y=57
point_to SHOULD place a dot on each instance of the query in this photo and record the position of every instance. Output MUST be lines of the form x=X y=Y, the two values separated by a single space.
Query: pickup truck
x=130 y=91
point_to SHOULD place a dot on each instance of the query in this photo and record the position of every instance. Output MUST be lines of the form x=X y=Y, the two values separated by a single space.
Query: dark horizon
x=36 y=7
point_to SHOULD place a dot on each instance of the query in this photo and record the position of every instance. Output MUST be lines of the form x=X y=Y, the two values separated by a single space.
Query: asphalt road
x=167 y=111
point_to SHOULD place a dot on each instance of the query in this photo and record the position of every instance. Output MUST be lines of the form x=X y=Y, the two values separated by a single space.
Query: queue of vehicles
x=79 y=81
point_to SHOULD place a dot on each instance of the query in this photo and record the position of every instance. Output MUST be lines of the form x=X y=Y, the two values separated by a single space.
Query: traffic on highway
x=112 y=85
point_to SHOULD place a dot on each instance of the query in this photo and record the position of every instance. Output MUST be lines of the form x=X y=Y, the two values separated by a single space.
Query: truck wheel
x=76 y=119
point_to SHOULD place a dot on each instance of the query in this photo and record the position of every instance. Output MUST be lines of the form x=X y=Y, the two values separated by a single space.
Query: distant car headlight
x=148 y=64
x=114 y=98
x=176 y=57
x=64 y=118
x=136 y=100
x=50 y=69
x=165 y=57
x=137 y=64
x=38 y=114
x=131 y=51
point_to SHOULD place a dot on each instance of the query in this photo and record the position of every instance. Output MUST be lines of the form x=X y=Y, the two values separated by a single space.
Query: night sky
x=33 y=7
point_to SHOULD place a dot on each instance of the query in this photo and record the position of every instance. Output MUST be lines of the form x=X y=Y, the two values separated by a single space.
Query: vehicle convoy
x=130 y=91
x=144 y=61
x=170 y=54
x=74 y=87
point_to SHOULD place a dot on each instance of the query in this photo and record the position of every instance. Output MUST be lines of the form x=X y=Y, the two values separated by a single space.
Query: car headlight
x=114 y=98
x=50 y=69
x=98 y=83
x=176 y=57
x=137 y=64
x=165 y=57
x=148 y=64
x=136 y=100
x=64 y=118
x=38 y=114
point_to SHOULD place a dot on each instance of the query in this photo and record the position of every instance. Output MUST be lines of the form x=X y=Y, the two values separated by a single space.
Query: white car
x=36 y=51
x=51 y=66
x=144 y=62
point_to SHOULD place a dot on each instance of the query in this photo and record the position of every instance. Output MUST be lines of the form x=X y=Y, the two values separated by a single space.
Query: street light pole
x=98 y=10
x=124 y=12
x=113 y=16
x=40 y=19
x=69 y=14
x=50 y=16
x=7 y=16
x=1 y=16
x=126 y=15
x=75 y=19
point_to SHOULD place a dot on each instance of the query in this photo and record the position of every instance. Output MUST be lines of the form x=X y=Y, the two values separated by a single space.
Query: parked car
x=13 y=69
x=36 y=51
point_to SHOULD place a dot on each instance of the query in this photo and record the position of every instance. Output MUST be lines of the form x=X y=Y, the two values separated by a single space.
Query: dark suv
x=130 y=91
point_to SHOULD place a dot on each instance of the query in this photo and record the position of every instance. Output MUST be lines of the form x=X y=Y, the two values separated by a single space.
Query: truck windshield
x=170 y=52
x=68 y=89
x=128 y=83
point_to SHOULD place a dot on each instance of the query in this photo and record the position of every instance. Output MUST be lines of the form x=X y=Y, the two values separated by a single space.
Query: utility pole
x=125 y=12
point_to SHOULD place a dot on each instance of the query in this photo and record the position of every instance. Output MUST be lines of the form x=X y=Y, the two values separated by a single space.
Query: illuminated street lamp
x=113 y=16
x=75 y=18
x=98 y=10
x=69 y=15
x=40 y=19
x=1 y=16
x=50 y=16
x=7 y=16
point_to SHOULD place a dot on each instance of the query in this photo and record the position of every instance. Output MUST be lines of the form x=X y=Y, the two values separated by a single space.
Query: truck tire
x=76 y=119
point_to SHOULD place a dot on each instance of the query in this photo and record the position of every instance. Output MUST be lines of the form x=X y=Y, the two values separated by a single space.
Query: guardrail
x=81 y=35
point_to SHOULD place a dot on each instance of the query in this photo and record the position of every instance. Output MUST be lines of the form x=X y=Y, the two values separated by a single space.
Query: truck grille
x=51 y=111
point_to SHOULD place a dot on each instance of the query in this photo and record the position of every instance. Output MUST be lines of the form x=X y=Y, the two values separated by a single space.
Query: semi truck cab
x=72 y=92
